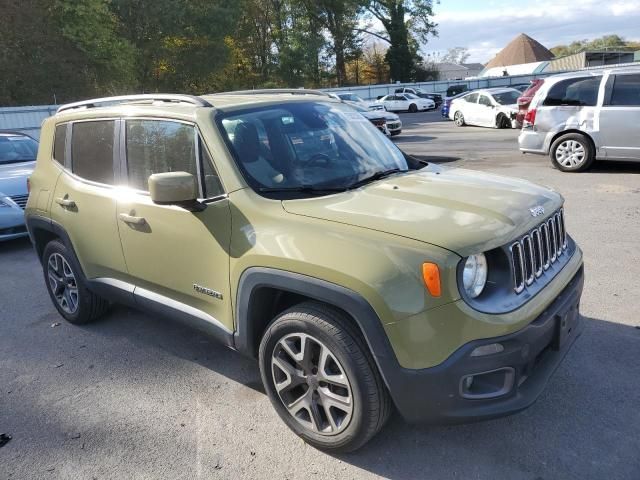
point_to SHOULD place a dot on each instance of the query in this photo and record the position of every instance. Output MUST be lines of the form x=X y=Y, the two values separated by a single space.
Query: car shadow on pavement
x=405 y=138
x=615 y=167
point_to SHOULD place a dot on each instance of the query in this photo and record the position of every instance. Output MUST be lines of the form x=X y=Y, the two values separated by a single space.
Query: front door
x=175 y=257
x=486 y=112
x=619 y=117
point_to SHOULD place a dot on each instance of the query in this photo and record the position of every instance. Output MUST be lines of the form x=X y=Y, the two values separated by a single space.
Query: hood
x=461 y=210
x=509 y=108
x=13 y=177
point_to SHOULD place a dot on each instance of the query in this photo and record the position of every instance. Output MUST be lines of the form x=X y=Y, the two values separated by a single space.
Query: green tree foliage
x=607 y=42
x=66 y=50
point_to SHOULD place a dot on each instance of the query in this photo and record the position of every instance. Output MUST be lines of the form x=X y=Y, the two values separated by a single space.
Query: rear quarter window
x=60 y=143
x=581 y=92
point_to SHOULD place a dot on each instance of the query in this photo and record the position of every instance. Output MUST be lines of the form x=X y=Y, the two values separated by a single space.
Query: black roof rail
x=275 y=91
x=154 y=97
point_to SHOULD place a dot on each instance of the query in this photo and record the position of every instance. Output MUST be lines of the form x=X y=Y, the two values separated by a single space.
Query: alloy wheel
x=312 y=384
x=570 y=153
x=62 y=282
x=458 y=119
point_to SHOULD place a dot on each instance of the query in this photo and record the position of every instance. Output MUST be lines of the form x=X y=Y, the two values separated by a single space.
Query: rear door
x=619 y=117
x=470 y=108
x=175 y=257
x=84 y=200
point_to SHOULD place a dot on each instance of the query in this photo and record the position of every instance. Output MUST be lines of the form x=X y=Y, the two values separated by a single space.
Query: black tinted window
x=484 y=100
x=158 y=146
x=575 y=91
x=626 y=90
x=472 y=98
x=92 y=150
x=60 y=143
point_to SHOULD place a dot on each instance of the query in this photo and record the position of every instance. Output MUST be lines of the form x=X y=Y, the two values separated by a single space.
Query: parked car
x=389 y=123
x=580 y=117
x=489 y=107
x=289 y=229
x=444 y=111
x=455 y=90
x=525 y=100
x=406 y=102
x=437 y=99
x=17 y=160
x=521 y=87
x=354 y=99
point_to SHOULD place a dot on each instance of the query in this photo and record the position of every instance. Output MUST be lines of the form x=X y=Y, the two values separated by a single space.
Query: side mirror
x=175 y=188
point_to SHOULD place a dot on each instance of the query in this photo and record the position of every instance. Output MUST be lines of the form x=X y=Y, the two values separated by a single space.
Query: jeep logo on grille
x=537 y=211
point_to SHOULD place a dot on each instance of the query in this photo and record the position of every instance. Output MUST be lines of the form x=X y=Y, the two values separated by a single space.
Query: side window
x=472 y=98
x=212 y=184
x=484 y=100
x=581 y=92
x=60 y=143
x=626 y=90
x=92 y=150
x=158 y=146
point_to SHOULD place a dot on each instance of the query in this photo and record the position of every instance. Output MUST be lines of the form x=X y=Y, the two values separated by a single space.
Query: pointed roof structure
x=522 y=49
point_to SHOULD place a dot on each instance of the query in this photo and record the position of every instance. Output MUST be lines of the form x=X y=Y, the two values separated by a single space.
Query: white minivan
x=579 y=117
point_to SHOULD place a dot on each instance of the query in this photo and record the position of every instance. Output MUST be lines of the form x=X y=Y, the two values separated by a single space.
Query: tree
x=607 y=42
x=457 y=55
x=402 y=20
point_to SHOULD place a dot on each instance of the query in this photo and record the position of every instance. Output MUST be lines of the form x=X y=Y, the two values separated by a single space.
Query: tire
x=67 y=286
x=325 y=333
x=413 y=108
x=458 y=119
x=572 y=152
x=502 y=121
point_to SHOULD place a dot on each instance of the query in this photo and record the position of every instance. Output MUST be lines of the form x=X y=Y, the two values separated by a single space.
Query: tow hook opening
x=491 y=384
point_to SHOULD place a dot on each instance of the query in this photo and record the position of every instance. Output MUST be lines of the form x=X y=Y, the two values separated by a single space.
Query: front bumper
x=12 y=223
x=530 y=356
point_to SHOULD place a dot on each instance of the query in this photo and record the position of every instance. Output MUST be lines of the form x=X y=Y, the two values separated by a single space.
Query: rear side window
x=484 y=100
x=158 y=146
x=92 y=150
x=626 y=90
x=59 y=144
x=472 y=98
x=581 y=92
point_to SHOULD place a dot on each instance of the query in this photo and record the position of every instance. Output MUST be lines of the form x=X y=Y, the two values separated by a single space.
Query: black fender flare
x=365 y=317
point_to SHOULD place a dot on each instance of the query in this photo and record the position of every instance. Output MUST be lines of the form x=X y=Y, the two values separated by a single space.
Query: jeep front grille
x=535 y=252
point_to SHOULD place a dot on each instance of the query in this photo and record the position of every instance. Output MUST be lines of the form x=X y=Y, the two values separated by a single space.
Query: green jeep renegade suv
x=287 y=226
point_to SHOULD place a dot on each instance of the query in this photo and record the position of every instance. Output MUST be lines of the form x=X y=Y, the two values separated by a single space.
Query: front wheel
x=572 y=152
x=413 y=108
x=503 y=122
x=458 y=119
x=321 y=378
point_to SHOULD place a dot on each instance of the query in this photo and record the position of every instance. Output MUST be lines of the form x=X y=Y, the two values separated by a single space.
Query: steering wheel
x=319 y=160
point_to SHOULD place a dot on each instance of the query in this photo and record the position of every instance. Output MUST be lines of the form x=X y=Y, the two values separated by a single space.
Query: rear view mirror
x=175 y=188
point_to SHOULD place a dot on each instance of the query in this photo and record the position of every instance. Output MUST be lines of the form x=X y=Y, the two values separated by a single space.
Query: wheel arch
x=572 y=130
x=43 y=230
x=265 y=292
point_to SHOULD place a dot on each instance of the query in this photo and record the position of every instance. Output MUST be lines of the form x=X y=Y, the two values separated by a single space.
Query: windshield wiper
x=301 y=189
x=376 y=176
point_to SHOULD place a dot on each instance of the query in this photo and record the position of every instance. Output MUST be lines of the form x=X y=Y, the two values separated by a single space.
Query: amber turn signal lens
x=431 y=275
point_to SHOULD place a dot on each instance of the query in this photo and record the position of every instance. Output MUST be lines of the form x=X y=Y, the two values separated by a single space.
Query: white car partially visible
x=406 y=102
x=490 y=107
x=354 y=99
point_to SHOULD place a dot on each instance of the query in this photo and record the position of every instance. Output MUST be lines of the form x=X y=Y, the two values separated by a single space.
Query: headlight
x=474 y=275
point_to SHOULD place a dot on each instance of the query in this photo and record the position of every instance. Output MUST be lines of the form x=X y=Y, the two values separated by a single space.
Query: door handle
x=65 y=202
x=132 y=220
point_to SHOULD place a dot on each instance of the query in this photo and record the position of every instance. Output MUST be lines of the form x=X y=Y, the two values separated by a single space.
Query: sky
x=486 y=26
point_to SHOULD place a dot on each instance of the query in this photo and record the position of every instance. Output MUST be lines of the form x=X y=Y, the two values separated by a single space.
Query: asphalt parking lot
x=134 y=396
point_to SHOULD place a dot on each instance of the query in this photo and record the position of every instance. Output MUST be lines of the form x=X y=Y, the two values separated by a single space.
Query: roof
x=473 y=66
x=522 y=49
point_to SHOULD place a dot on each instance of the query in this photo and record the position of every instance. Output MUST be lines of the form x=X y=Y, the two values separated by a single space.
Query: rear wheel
x=413 y=108
x=458 y=119
x=321 y=378
x=67 y=287
x=572 y=152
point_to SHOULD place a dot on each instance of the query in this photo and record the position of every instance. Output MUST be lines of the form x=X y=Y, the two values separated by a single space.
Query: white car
x=392 y=121
x=490 y=107
x=354 y=99
x=406 y=102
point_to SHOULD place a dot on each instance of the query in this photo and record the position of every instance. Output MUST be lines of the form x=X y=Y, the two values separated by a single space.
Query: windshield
x=506 y=98
x=350 y=97
x=307 y=145
x=17 y=148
